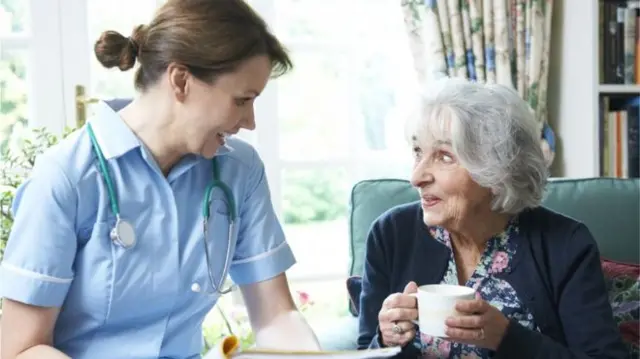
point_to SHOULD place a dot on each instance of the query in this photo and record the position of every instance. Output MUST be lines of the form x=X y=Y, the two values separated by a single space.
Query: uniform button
x=195 y=287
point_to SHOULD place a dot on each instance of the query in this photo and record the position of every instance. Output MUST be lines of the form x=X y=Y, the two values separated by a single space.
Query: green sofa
x=609 y=207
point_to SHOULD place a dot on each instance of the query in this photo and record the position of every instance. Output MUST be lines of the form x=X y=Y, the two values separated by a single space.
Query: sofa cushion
x=609 y=207
x=118 y=104
x=354 y=287
x=623 y=284
x=369 y=199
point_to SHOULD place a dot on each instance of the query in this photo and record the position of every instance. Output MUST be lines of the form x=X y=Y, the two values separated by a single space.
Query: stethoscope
x=123 y=233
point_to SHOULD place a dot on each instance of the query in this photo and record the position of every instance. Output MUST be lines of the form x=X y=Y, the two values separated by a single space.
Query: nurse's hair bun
x=114 y=50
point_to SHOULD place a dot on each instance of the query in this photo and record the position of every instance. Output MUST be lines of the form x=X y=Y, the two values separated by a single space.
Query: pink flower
x=304 y=298
x=444 y=347
x=500 y=261
x=426 y=339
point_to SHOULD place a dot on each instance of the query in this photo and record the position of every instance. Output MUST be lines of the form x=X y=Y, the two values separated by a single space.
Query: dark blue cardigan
x=556 y=272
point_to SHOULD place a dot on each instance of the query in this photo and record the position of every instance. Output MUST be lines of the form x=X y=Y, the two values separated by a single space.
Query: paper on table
x=228 y=349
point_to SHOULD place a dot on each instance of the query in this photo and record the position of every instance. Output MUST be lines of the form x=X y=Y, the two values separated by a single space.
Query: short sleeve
x=38 y=259
x=261 y=250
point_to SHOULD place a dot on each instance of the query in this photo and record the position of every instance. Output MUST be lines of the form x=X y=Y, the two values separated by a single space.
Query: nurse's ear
x=178 y=80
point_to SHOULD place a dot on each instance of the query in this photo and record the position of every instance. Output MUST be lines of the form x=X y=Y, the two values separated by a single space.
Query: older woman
x=481 y=175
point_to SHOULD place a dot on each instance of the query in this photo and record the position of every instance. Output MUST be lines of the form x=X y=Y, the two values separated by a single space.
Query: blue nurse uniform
x=148 y=301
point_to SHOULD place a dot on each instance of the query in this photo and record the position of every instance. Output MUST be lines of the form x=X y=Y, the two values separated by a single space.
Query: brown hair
x=208 y=37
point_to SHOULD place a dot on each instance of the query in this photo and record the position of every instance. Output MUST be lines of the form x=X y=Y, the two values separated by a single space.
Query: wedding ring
x=396 y=329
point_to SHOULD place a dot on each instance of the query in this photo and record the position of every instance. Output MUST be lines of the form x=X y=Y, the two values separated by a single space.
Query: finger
x=411 y=287
x=471 y=306
x=400 y=300
x=466 y=321
x=405 y=326
x=464 y=335
x=398 y=314
x=391 y=338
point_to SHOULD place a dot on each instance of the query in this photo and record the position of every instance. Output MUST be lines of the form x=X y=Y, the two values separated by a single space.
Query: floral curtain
x=492 y=41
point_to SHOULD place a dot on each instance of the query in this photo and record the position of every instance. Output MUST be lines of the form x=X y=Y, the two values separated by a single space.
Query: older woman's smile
x=429 y=201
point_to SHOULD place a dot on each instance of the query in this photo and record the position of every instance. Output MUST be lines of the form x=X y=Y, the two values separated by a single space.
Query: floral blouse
x=499 y=293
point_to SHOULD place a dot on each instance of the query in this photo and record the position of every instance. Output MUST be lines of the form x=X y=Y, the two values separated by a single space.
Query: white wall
x=572 y=88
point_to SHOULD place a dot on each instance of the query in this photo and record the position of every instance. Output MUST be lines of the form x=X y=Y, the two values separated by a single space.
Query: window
x=335 y=120
x=108 y=15
x=29 y=55
x=13 y=69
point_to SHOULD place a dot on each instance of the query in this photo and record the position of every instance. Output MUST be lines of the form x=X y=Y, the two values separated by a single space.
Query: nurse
x=125 y=231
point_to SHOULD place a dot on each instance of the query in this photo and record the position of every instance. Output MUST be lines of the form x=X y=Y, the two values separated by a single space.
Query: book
x=229 y=348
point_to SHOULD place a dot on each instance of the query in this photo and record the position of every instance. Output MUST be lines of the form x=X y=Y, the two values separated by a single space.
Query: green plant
x=313 y=196
x=15 y=166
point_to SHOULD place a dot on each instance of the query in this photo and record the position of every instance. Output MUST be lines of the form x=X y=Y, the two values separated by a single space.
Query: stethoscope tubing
x=206 y=212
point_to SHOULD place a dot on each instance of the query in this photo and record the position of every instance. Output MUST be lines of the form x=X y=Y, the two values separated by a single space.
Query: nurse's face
x=209 y=111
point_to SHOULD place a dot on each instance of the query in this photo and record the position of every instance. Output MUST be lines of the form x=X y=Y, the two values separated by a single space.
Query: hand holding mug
x=397 y=316
x=478 y=323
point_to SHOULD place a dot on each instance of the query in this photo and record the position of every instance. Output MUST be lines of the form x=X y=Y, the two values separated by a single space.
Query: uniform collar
x=112 y=134
x=116 y=138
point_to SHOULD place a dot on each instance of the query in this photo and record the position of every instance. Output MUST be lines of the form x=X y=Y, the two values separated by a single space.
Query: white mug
x=436 y=303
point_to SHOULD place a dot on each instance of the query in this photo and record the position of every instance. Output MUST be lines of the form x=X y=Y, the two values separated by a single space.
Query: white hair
x=493 y=134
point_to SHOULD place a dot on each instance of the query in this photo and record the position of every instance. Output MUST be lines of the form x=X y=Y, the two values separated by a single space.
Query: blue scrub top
x=148 y=301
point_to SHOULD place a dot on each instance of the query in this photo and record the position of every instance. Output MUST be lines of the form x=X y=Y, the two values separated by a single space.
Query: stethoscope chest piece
x=123 y=234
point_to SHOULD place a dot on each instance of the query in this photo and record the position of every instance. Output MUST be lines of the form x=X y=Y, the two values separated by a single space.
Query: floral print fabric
x=499 y=293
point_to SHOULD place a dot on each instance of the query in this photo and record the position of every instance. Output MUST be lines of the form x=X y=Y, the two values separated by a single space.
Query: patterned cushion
x=623 y=284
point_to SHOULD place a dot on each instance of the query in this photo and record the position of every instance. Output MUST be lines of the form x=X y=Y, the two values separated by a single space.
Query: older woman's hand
x=480 y=324
x=396 y=316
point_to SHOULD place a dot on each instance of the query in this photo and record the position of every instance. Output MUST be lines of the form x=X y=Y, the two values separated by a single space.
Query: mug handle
x=415 y=295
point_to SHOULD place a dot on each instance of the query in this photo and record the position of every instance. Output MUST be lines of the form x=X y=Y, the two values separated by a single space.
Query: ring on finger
x=396 y=329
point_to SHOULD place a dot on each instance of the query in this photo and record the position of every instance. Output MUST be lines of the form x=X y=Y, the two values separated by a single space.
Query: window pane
x=401 y=169
x=108 y=15
x=314 y=213
x=13 y=96
x=314 y=107
x=316 y=21
x=380 y=91
x=13 y=16
x=352 y=82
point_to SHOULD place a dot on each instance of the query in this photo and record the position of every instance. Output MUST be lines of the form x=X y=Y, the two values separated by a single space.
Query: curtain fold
x=489 y=41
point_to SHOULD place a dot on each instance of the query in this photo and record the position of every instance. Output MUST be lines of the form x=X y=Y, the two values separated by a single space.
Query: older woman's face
x=448 y=193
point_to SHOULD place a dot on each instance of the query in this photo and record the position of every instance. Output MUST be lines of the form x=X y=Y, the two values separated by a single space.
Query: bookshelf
x=618 y=88
x=592 y=98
